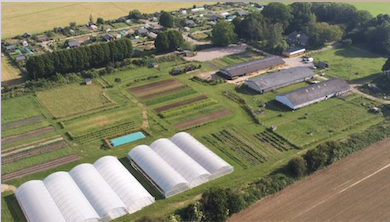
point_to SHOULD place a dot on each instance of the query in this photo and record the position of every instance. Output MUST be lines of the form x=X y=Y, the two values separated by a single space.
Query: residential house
x=26 y=35
x=297 y=38
x=142 y=31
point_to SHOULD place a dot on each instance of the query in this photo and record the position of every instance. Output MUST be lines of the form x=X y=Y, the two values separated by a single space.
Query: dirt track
x=354 y=189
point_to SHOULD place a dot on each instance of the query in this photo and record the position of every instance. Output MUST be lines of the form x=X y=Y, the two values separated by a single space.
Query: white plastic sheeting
x=131 y=192
x=69 y=198
x=168 y=180
x=37 y=203
x=99 y=193
x=201 y=154
x=187 y=167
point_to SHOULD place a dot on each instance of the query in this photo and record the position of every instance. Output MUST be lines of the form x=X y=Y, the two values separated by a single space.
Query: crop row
x=275 y=140
x=104 y=133
x=239 y=147
x=180 y=93
x=187 y=108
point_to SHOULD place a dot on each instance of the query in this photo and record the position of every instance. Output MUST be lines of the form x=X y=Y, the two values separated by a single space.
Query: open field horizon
x=13 y=20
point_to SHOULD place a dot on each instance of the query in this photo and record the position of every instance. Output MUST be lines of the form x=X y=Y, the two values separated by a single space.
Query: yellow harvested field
x=9 y=74
x=38 y=17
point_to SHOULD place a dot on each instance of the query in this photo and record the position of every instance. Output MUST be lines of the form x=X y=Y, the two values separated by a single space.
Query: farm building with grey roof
x=252 y=67
x=276 y=80
x=314 y=93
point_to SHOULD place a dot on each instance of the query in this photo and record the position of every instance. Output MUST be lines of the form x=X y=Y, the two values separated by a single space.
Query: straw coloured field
x=13 y=20
x=73 y=99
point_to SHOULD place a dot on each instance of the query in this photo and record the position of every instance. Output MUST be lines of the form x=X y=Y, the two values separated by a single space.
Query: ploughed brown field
x=152 y=89
x=27 y=135
x=39 y=168
x=203 y=119
x=355 y=189
x=178 y=104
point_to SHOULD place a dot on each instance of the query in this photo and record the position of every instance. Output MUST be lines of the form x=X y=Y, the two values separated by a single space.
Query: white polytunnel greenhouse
x=166 y=179
x=125 y=185
x=99 y=193
x=71 y=201
x=187 y=167
x=37 y=203
x=201 y=154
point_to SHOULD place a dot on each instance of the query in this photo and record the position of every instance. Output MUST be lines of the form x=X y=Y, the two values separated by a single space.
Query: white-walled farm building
x=276 y=80
x=176 y=165
x=313 y=93
x=252 y=67
x=88 y=193
x=293 y=52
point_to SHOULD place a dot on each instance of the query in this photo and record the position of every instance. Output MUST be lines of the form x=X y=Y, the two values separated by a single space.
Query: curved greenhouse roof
x=131 y=192
x=167 y=180
x=37 y=203
x=71 y=201
x=201 y=154
x=99 y=193
x=187 y=167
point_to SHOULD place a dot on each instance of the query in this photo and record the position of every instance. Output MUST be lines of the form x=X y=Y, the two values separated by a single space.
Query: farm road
x=355 y=189
x=354 y=88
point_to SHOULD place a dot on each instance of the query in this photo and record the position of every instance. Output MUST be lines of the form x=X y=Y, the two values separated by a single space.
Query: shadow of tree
x=14 y=208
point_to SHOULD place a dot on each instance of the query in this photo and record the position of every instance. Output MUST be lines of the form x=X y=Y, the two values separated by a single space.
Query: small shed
x=88 y=81
x=121 y=19
x=10 y=48
x=190 y=22
x=241 y=13
x=25 y=43
x=154 y=65
x=73 y=44
x=93 y=28
x=213 y=18
x=273 y=128
x=60 y=29
x=123 y=32
x=187 y=53
x=152 y=35
x=20 y=59
x=322 y=65
x=72 y=31
x=142 y=31
x=293 y=52
x=187 y=29
x=108 y=37
x=26 y=35
x=387 y=72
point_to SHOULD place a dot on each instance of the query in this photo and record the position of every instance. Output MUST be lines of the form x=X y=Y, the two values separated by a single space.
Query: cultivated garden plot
x=27 y=135
x=22 y=122
x=73 y=99
x=203 y=119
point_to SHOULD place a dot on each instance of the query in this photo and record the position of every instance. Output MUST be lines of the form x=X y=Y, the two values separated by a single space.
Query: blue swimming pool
x=127 y=139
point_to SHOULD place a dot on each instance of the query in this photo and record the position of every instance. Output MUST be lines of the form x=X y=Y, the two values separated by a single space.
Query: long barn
x=314 y=93
x=252 y=67
x=276 y=80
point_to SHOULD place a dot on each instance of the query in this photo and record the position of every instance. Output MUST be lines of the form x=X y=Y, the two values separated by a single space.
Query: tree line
x=78 y=59
x=321 y=21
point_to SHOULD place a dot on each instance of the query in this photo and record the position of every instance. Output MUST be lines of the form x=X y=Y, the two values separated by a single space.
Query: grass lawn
x=18 y=108
x=103 y=120
x=73 y=99
x=13 y=20
x=351 y=63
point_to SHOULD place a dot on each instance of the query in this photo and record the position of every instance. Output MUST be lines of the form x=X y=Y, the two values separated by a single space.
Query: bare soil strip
x=202 y=119
x=353 y=189
x=178 y=104
x=31 y=145
x=32 y=152
x=158 y=89
x=165 y=92
x=151 y=85
x=27 y=135
x=38 y=168
x=22 y=122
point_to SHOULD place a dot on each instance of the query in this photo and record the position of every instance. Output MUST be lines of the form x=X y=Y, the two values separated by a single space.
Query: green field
x=24 y=129
x=249 y=147
x=13 y=20
x=73 y=99
x=350 y=63
x=18 y=108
